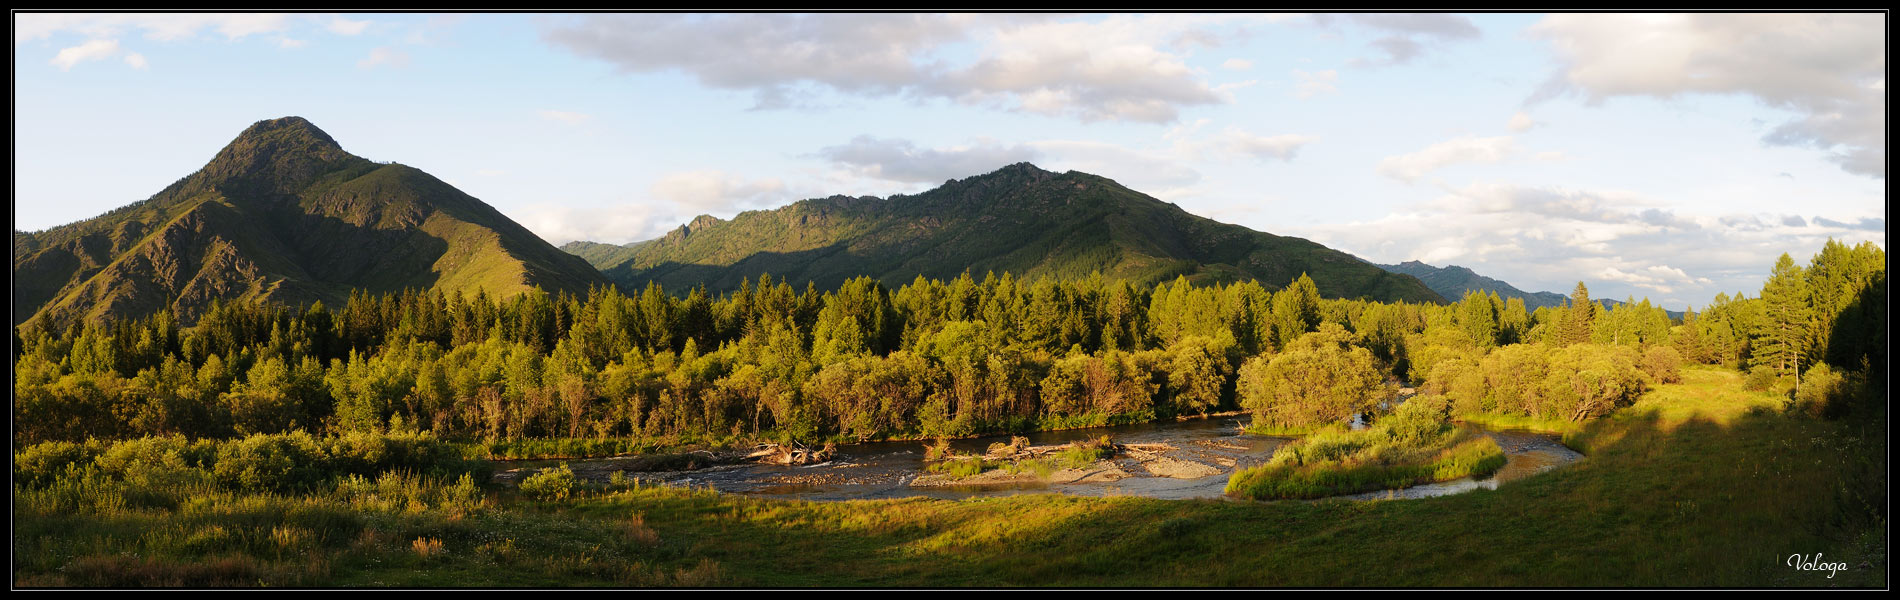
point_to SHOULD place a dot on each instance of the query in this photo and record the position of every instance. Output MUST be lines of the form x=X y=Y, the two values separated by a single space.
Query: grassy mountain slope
x=282 y=213
x=1019 y=219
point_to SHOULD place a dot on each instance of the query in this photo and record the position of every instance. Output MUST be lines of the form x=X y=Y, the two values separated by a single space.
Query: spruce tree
x=1781 y=343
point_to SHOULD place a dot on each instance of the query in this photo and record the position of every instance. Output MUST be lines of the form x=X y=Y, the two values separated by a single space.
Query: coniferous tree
x=1782 y=342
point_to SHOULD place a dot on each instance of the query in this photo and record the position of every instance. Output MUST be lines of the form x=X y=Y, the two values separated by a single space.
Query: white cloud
x=1313 y=84
x=135 y=60
x=559 y=223
x=1120 y=67
x=1157 y=173
x=673 y=199
x=1237 y=64
x=1407 y=35
x=902 y=161
x=571 y=118
x=1619 y=243
x=91 y=50
x=1282 y=147
x=291 y=43
x=1464 y=150
x=1828 y=68
x=384 y=56
x=715 y=192
x=346 y=27
x=1189 y=144
x=1521 y=122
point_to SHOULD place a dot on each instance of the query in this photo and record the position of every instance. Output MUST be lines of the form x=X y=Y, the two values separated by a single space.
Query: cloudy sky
x=1662 y=156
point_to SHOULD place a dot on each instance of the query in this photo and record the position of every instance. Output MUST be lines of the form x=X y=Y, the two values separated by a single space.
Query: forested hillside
x=1019 y=219
x=282 y=214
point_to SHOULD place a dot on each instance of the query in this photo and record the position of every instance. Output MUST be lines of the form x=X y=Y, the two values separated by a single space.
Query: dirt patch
x=1100 y=472
x=1222 y=444
x=1178 y=469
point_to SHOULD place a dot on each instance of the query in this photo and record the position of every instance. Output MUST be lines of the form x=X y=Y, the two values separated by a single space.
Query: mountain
x=1019 y=219
x=1453 y=281
x=282 y=213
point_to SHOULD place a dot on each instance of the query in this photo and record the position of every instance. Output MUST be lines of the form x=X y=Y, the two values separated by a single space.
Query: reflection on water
x=1526 y=454
x=1216 y=445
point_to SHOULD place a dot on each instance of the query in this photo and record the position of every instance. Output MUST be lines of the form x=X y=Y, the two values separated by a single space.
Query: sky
x=1662 y=156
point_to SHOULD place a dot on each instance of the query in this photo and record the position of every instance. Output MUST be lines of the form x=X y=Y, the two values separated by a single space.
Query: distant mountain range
x=1454 y=281
x=1019 y=219
x=282 y=213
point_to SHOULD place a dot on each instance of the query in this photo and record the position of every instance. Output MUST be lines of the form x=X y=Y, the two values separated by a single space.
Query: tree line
x=931 y=358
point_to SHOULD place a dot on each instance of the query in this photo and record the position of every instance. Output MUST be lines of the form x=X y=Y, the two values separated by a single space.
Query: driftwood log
x=793 y=454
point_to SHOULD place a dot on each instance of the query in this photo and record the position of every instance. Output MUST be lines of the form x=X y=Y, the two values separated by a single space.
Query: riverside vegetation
x=1415 y=444
x=265 y=445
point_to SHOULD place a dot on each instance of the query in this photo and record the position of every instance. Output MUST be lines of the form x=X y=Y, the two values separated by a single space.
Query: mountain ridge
x=281 y=213
x=1019 y=219
x=1453 y=281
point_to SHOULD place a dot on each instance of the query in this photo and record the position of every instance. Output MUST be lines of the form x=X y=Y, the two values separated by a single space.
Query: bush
x=550 y=484
x=278 y=463
x=364 y=453
x=1759 y=379
x=1662 y=364
x=1823 y=392
x=154 y=464
x=1416 y=422
x=41 y=463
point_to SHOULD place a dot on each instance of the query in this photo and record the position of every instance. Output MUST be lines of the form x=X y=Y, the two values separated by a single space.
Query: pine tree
x=1575 y=326
x=1781 y=343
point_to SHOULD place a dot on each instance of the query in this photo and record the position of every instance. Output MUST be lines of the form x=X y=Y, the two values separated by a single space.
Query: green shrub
x=961 y=467
x=1417 y=422
x=280 y=462
x=41 y=463
x=1759 y=379
x=1825 y=392
x=465 y=495
x=1662 y=364
x=550 y=484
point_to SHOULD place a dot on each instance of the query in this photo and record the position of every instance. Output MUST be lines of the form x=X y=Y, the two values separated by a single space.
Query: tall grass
x=1413 y=445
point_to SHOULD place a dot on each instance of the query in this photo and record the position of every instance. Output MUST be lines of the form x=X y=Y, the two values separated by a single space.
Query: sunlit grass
x=1699 y=484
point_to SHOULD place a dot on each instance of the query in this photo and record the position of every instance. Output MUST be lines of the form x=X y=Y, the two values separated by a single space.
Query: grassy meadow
x=1700 y=483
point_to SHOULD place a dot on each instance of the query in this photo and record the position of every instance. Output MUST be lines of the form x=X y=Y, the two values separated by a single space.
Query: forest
x=268 y=445
x=930 y=359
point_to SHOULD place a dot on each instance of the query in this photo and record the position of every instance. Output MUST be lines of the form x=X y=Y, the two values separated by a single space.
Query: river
x=1201 y=455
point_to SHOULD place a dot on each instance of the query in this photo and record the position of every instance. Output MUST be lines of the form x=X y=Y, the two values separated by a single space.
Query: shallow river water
x=1213 y=446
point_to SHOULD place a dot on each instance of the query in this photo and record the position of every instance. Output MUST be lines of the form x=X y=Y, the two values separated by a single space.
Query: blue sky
x=1662 y=156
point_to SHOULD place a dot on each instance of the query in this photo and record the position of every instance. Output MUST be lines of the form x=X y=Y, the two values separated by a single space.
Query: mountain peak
x=1022 y=167
x=288 y=128
x=284 y=153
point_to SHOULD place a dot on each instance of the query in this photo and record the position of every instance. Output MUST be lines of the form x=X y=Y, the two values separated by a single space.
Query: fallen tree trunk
x=791 y=454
